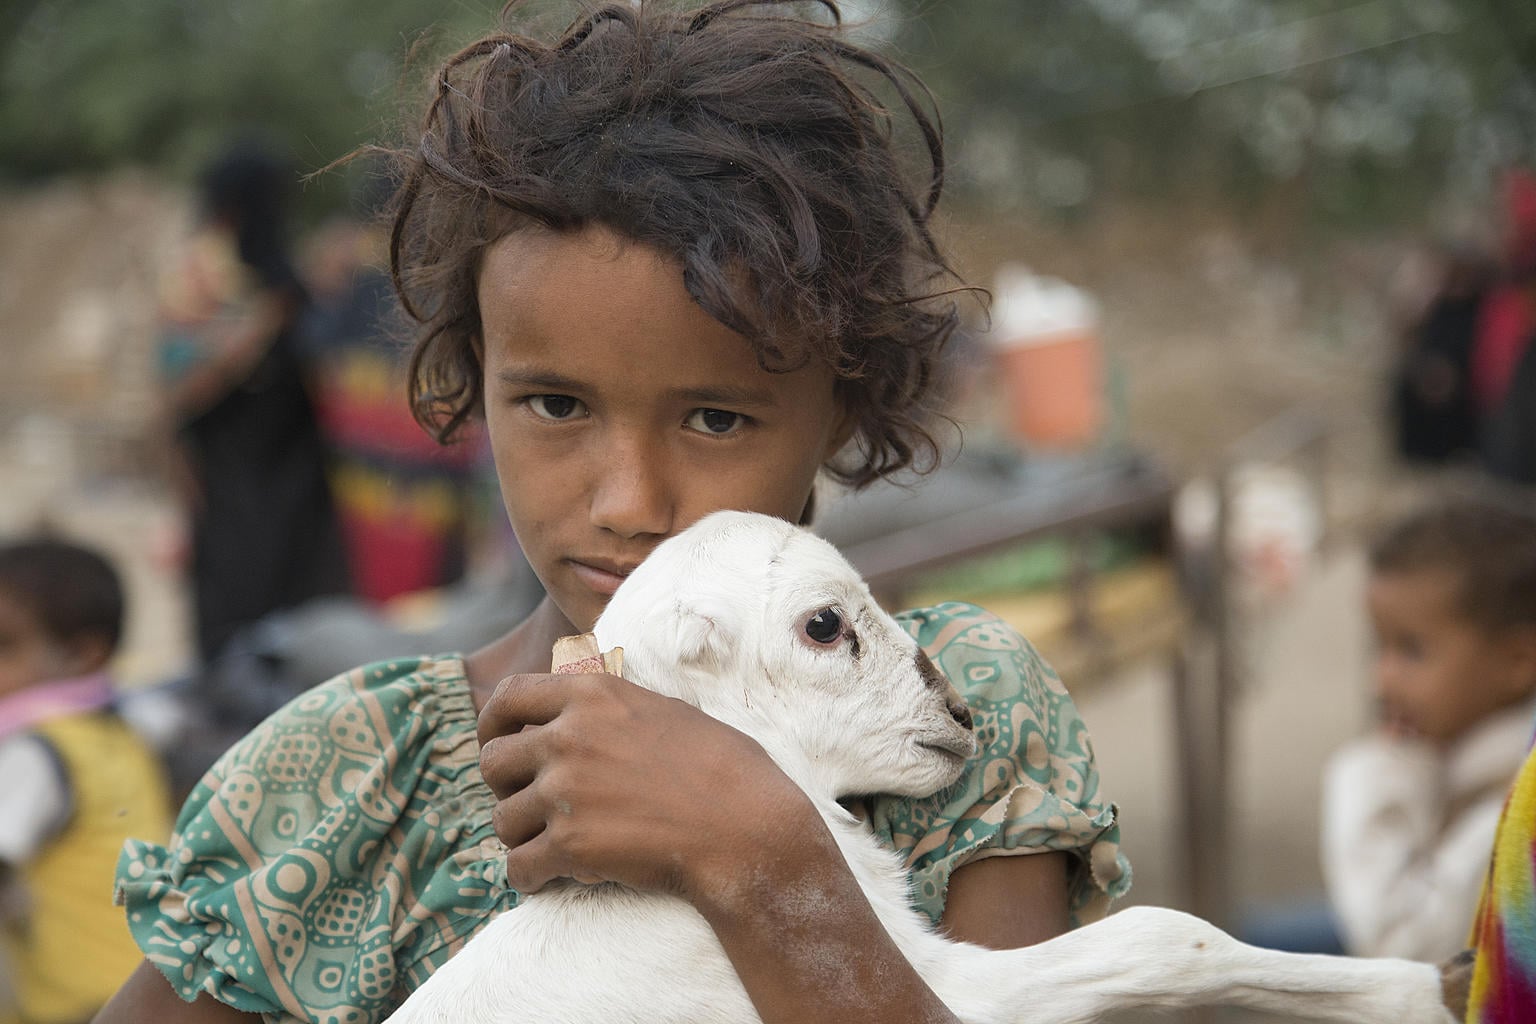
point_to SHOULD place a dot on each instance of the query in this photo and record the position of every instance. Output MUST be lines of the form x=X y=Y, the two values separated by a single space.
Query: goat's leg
x=1149 y=957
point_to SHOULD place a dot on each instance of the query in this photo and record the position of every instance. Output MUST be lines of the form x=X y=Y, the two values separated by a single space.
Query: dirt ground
x=1204 y=342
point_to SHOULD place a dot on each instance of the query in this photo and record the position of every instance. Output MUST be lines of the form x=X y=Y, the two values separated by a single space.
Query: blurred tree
x=88 y=85
x=1357 y=111
x=1353 y=111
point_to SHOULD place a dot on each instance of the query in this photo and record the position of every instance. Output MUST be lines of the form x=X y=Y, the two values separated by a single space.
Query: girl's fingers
x=510 y=763
x=523 y=700
x=533 y=865
x=518 y=819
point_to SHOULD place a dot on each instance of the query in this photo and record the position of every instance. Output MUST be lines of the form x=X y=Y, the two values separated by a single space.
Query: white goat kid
x=765 y=626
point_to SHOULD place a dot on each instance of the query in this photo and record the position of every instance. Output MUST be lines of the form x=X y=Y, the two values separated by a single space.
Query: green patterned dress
x=336 y=856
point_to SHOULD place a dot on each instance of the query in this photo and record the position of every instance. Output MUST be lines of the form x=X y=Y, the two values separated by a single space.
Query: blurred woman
x=249 y=457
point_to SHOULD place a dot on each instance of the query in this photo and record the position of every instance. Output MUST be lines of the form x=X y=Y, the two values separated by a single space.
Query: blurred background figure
x=1435 y=418
x=1507 y=318
x=408 y=506
x=1410 y=810
x=1503 y=364
x=409 y=551
x=341 y=533
x=250 y=457
x=77 y=782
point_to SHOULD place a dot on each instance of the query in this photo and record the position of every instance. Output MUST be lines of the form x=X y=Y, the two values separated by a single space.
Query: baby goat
x=766 y=627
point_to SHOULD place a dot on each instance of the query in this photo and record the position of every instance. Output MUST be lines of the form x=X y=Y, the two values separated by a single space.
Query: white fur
x=715 y=616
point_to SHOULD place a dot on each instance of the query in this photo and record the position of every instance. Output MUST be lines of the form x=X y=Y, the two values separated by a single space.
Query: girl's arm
x=722 y=827
x=805 y=942
x=1009 y=901
x=146 y=998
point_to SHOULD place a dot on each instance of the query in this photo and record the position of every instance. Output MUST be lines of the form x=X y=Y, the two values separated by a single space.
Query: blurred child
x=76 y=780
x=1409 y=811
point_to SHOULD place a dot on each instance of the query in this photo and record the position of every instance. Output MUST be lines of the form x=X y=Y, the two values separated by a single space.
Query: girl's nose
x=632 y=497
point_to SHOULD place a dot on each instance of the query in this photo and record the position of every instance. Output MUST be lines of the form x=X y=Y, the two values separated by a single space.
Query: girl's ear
x=842 y=429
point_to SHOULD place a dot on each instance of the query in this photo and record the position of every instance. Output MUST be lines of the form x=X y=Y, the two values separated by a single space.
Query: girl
x=673 y=261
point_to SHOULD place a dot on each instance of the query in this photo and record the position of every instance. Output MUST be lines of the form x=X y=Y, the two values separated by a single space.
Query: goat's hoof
x=1456 y=982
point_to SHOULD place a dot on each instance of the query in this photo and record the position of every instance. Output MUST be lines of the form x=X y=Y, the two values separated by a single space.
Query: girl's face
x=1438 y=673
x=619 y=412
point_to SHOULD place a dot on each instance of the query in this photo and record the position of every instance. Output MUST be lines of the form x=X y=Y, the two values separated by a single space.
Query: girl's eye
x=715 y=421
x=825 y=626
x=554 y=407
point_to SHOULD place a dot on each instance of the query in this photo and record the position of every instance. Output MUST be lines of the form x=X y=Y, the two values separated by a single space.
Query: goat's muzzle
x=936 y=681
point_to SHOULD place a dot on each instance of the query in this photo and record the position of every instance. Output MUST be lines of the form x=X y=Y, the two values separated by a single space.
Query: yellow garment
x=75 y=950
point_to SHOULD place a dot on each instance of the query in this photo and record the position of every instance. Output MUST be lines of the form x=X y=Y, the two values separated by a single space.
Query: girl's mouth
x=602 y=578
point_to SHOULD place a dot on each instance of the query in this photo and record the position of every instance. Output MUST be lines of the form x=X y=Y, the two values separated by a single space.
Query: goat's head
x=765 y=626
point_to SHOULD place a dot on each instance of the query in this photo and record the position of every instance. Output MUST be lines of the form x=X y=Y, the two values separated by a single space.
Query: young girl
x=673 y=260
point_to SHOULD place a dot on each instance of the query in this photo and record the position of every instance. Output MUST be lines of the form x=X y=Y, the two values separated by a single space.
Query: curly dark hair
x=749 y=144
x=1486 y=541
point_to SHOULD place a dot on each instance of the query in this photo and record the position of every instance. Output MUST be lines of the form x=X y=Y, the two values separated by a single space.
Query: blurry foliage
x=1353 y=111
x=90 y=84
x=1348 y=112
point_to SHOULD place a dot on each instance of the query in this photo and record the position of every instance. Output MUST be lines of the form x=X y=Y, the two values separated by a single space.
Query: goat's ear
x=700 y=639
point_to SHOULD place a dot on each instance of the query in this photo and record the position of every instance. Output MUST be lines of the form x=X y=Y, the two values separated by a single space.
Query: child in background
x=76 y=780
x=1409 y=812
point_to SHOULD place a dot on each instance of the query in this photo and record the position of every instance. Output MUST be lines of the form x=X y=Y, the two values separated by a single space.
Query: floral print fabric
x=1032 y=786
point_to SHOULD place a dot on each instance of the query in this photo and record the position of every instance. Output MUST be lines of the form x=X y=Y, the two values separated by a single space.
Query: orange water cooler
x=1045 y=345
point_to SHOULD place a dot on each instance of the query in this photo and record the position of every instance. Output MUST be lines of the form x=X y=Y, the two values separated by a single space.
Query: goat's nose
x=936 y=681
x=959 y=711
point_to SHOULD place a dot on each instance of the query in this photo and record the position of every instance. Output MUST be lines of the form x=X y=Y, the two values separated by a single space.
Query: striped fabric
x=1504 y=934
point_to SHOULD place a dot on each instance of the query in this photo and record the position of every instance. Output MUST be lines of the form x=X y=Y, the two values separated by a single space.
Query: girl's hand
x=599 y=779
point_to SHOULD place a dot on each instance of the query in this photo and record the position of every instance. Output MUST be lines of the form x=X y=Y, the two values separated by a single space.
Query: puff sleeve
x=1032 y=786
x=332 y=858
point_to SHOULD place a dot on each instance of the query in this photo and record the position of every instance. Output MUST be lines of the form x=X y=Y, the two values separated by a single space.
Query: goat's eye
x=825 y=626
